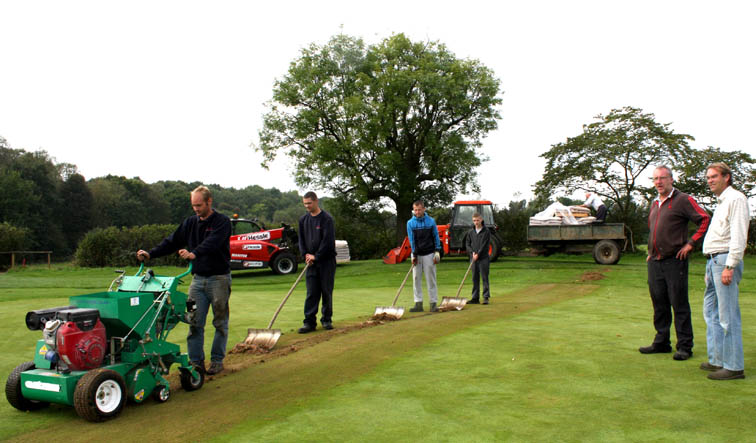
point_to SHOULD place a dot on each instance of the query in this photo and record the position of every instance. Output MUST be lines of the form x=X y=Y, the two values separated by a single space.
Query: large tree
x=613 y=157
x=399 y=120
x=692 y=175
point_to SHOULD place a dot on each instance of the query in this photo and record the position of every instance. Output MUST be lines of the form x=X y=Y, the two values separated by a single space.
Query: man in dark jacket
x=203 y=239
x=317 y=243
x=477 y=243
x=668 y=249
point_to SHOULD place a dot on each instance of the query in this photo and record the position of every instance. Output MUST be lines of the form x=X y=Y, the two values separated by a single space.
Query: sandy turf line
x=256 y=386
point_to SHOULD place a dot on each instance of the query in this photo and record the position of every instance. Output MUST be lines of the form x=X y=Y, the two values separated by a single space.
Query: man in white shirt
x=724 y=245
x=594 y=201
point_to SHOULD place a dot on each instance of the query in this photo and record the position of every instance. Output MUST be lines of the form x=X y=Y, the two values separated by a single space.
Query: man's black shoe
x=682 y=354
x=305 y=329
x=706 y=366
x=474 y=301
x=726 y=374
x=327 y=325
x=485 y=301
x=216 y=367
x=654 y=349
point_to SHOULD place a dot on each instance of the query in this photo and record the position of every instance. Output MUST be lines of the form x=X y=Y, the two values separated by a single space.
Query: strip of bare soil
x=259 y=385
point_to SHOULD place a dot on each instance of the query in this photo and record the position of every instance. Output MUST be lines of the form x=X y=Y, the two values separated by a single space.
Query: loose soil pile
x=384 y=317
x=592 y=276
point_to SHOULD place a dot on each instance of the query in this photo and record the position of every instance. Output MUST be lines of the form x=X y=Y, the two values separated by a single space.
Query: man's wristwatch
x=728 y=267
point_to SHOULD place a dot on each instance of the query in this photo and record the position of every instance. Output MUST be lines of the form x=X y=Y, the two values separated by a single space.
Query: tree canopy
x=398 y=120
x=611 y=157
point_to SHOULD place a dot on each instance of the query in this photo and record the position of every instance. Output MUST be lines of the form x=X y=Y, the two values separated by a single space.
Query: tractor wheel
x=190 y=383
x=495 y=249
x=161 y=393
x=13 y=390
x=99 y=395
x=606 y=252
x=284 y=263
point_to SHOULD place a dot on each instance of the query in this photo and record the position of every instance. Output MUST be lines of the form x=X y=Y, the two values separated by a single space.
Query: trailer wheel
x=284 y=263
x=190 y=383
x=13 y=390
x=606 y=252
x=99 y=395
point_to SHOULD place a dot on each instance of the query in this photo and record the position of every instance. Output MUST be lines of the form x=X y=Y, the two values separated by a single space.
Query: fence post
x=13 y=259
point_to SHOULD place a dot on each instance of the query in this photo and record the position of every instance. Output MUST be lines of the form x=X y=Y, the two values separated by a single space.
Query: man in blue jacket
x=203 y=239
x=426 y=247
x=317 y=243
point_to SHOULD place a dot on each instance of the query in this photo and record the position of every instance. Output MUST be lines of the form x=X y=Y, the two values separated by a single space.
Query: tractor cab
x=461 y=221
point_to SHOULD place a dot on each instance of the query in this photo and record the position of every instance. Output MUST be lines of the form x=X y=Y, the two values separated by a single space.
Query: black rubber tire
x=161 y=393
x=495 y=250
x=190 y=383
x=284 y=263
x=13 y=390
x=606 y=252
x=92 y=396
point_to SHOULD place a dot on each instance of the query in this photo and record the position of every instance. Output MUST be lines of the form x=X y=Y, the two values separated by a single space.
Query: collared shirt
x=659 y=199
x=668 y=224
x=729 y=226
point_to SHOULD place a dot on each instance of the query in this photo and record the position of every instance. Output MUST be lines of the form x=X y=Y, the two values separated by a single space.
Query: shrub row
x=114 y=247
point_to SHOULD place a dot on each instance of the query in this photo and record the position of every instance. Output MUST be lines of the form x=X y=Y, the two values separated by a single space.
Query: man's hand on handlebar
x=142 y=255
x=186 y=255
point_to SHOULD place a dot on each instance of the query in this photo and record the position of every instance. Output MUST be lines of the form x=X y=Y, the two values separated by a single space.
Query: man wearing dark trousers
x=317 y=243
x=668 y=250
x=203 y=239
x=477 y=243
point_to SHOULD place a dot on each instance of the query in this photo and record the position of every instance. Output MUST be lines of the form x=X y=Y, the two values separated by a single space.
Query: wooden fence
x=13 y=256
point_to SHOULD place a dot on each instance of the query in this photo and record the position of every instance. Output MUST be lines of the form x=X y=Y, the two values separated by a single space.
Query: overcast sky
x=174 y=90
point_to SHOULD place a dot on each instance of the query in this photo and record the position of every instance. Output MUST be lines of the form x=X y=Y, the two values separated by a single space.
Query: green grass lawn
x=553 y=358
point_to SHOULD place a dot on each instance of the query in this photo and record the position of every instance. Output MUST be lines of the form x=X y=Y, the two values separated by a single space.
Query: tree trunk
x=403 y=214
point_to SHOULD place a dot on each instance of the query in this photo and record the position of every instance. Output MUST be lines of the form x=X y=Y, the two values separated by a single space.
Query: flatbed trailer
x=608 y=239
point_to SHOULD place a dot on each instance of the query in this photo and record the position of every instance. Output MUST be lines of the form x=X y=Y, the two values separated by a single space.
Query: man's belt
x=714 y=254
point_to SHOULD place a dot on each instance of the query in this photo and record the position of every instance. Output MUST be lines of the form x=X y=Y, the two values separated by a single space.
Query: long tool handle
x=402 y=286
x=272 y=320
x=464 y=278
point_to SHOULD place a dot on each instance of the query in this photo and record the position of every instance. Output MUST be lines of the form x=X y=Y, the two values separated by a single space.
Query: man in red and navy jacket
x=668 y=249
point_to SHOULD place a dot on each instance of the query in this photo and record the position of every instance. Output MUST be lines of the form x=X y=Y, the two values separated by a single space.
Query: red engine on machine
x=81 y=341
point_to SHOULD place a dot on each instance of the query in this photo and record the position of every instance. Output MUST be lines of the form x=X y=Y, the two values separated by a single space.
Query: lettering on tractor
x=254 y=246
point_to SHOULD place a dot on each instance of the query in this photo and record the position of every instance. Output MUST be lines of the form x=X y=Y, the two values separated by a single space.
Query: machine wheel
x=99 y=395
x=161 y=393
x=606 y=252
x=284 y=263
x=190 y=383
x=13 y=390
x=495 y=249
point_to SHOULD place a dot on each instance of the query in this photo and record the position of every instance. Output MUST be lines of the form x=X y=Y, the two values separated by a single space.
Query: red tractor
x=452 y=236
x=253 y=246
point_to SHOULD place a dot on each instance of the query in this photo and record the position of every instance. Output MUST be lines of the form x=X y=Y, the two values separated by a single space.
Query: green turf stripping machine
x=107 y=347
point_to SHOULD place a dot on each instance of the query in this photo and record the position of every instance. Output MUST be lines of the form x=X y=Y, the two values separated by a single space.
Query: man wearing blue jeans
x=203 y=239
x=724 y=246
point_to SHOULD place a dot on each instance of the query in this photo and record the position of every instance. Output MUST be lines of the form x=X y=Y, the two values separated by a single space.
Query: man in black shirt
x=477 y=243
x=203 y=239
x=317 y=243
